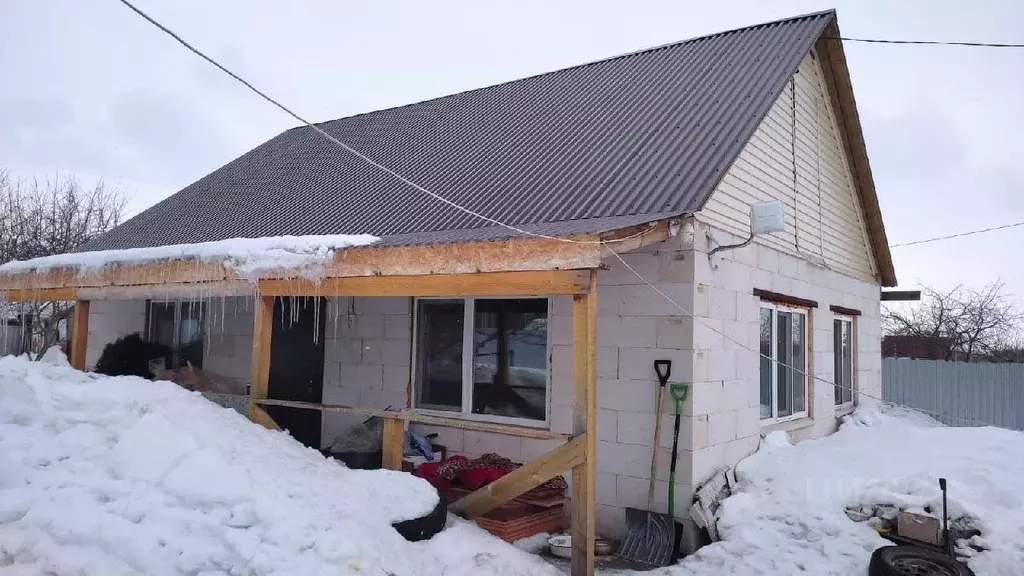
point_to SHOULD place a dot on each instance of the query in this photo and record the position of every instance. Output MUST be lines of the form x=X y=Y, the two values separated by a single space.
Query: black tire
x=914 y=561
x=424 y=527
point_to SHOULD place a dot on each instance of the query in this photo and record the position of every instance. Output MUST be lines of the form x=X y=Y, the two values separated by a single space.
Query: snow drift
x=113 y=476
x=789 y=515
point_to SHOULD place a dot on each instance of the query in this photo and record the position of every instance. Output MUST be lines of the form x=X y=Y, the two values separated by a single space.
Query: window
x=179 y=326
x=842 y=342
x=483 y=356
x=783 y=348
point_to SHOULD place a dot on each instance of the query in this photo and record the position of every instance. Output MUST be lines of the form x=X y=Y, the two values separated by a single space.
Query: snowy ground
x=108 y=476
x=789 y=517
x=111 y=476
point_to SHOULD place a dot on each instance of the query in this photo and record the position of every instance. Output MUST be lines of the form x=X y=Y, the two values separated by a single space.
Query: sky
x=91 y=90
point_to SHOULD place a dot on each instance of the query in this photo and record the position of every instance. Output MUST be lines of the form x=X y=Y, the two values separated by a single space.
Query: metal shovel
x=652 y=538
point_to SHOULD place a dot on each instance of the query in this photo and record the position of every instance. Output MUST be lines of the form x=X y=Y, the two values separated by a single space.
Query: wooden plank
x=769 y=296
x=529 y=476
x=844 y=311
x=80 y=334
x=64 y=294
x=531 y=283
x=515 y=255
x=393 y=444
x=584 y=475
x=478 y=426
x=263 y=326
x=177 y=291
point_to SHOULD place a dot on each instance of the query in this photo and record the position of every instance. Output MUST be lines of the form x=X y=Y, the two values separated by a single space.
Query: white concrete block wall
x=726 y=375
x=227 y=349
x=110 y=320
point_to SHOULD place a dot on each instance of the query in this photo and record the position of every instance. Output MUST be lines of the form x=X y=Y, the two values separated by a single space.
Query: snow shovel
x=679 y=393
x=652 y=538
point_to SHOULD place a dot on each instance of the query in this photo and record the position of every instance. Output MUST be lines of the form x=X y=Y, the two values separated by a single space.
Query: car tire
x=914 y=561
x=424 y=527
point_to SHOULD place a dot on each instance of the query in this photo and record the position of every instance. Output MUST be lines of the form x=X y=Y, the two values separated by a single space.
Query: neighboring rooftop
x=588 y=149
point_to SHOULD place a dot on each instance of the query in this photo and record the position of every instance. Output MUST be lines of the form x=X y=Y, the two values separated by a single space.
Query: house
x=620 y=177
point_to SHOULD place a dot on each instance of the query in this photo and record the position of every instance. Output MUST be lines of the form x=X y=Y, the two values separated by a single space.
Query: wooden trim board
x=529 y=283
x=777 y=298
x=80 y=335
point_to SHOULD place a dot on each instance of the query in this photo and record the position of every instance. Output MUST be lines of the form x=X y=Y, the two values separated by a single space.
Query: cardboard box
x=920 y=527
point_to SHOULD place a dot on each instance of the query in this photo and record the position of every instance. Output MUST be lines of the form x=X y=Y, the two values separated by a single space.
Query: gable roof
x=588 y=149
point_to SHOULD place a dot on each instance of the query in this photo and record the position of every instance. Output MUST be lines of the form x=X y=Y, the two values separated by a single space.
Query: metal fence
x=964 y=394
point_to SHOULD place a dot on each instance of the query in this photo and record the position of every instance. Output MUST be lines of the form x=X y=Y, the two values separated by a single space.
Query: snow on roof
x=247 y=257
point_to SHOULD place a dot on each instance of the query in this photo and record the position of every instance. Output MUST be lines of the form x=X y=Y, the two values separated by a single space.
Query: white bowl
x=561 y=546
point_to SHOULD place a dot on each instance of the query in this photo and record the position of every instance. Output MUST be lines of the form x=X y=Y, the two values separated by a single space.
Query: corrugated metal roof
x=581 y=150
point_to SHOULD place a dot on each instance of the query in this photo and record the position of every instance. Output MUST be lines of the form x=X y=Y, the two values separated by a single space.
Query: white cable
x=444 y=200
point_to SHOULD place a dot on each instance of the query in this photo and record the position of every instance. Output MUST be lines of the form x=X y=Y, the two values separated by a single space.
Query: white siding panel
x=823 y=213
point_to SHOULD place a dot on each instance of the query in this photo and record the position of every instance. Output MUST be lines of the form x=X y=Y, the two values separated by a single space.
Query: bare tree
x=973 y=323
x=46 y=218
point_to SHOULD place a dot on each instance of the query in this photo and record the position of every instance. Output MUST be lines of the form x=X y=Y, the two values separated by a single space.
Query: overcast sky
x=89 y=89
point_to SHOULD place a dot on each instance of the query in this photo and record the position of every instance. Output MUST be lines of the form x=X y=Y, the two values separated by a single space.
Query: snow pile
x=789 y=516
x=112 y=476
x=248 y=257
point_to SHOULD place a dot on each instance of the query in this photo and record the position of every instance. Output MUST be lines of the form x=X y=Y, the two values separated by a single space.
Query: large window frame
x=466 y=410
x=774 y=365
x=845 y=384
x=179 y=354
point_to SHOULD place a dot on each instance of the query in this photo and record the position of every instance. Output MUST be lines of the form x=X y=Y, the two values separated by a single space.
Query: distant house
x=487 y=336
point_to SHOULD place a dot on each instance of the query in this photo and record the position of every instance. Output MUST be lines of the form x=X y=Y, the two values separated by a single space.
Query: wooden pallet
x=515 y=524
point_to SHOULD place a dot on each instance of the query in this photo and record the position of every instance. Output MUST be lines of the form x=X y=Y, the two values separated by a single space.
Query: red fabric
x=439 y=483
x=478 y=477
x=427 y=469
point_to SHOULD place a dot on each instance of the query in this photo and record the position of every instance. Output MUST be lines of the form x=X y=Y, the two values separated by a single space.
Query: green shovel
x=679 y=393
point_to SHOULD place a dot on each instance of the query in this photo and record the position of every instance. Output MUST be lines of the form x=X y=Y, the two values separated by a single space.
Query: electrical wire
x=514 y=228
x=924 y=42
x=958 y=235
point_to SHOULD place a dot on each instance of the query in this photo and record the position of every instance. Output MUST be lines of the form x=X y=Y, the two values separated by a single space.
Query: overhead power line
x=957 y=235
x=926 y=42
x=704 y=321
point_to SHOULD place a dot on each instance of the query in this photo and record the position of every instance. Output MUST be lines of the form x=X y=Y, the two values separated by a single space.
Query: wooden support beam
x=533 y=283
x=584 y=341
x=79 y=334
x=515 y=483
x=41 y=295
x=477 y=426
x=262 y=330
x=394 y=444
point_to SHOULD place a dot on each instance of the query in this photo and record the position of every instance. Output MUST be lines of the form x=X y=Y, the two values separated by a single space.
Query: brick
x=706 y=462
x=767 y=258
x=611 y=521
x=382 y=306
x=561 y=419
x=397 y=327
x=627 y=459
x=737 y=450
x=243 y=346
x=346 y=350
x=722 y=427
x=740 y=334
x=676 y=266
x=608 y=300
x=628 y=395
x=638 y=363
x=645 y=264
x=562 y=305
x=396 y=378
x=371 y=351
x=561 y=390
x=395 y=400
x=561 y=360
x=560 y=329
x=451 y=438
x=761 y=279
x=734 y=394
x=748 y=365
x=699 y=368
x=707 y=333
x=674 y=332
x=721 y=364
x=635 y=428
x=632 y=492
x=701 y=432
x=701 y=302
x=644 y=301
x=607 y=425
x=369 y=327
x=605 y=488
x=789 y=266
x=636 y=332
x=371 y=398
x=362 y=376
x=782 y=285
x=705 y=398
x=220 y=345
x=396 y=353
x=533 y=448
x=479 y=443
x=748 y=421
x=607 y=362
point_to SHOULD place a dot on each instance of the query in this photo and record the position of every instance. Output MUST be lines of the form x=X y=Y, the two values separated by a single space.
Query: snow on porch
x=249 y=258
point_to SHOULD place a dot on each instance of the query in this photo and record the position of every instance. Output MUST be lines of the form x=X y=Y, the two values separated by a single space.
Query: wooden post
x=79 y=334
x=584 y=341
x=262 y=330
x=394 y=444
